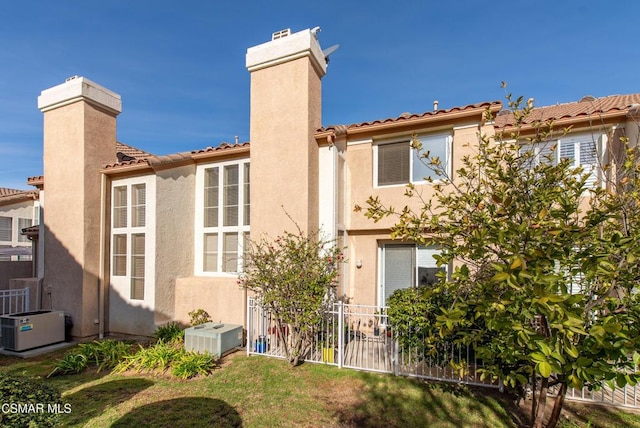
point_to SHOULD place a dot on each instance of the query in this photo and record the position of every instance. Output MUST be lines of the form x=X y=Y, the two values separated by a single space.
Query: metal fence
x=14 y=301
x=360 y=337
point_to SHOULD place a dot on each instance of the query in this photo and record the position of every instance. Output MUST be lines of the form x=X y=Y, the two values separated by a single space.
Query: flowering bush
x=294 y=277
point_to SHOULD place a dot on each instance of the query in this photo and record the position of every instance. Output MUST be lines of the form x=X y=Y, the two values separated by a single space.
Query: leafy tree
x=294 y=277
x=548 y=263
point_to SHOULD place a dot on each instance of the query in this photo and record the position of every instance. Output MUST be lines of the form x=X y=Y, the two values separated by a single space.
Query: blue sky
x=179 y=65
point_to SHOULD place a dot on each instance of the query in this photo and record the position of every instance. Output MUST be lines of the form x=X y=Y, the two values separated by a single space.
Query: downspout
x=101 y=273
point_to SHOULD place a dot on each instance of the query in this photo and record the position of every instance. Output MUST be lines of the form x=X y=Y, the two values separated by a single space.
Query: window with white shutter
x=582 y=150
x=128 y=238
x=222 y=216
x=398 y=163
x=6 y=229
x=404 y=266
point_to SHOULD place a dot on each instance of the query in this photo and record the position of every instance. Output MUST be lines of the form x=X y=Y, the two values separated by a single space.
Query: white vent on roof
x=280 y=34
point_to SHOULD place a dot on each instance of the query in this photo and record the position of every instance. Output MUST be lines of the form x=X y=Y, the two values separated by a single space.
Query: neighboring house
x=133 y=240
x=19 y=209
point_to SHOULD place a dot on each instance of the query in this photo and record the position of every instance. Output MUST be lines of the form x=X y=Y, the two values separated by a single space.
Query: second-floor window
x=581 y=150
x=398 y=163
x=223 y=216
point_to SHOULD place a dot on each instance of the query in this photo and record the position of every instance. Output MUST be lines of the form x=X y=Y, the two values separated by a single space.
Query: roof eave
x=429 y=120
x=587 y=120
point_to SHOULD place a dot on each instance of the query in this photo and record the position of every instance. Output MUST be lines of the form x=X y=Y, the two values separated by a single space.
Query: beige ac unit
x=29 y=330
x=214 y=338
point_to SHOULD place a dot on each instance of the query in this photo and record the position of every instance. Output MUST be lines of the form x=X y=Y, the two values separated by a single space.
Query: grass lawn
x=259 y=391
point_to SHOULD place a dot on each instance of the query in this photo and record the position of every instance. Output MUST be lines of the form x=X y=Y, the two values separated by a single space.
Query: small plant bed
x=119 y=356
x=163 y=357
x=101 y=354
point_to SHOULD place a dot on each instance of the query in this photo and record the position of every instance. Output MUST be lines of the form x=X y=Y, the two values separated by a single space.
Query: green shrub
x=191 y=364
x=163 y=356
x=170 y=332
x=156 y=357
x=199 y=316
x=21 y=391
x=104 y=354
x=71 y=363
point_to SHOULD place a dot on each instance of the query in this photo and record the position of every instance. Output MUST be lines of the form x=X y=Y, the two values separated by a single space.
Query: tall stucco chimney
x=79 y=137
x=286 y=107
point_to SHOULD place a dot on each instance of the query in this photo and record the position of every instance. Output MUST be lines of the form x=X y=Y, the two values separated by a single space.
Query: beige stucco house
x=131 y=240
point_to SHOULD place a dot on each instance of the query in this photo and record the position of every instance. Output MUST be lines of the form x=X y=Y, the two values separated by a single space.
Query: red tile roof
x=174 y=158
x=6 y=191
x=408 y=117
x=222 y=147
x=13 y=195
x=588 y=107
x=131 y=151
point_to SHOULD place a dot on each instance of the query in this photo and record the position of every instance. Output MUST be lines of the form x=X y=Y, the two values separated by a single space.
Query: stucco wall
x=360 y=164
x=174 y=236
x=10 y=270
x=365 y=236
x=221 y=297
x=78 y=139
x=37 y=299
x=285 y=112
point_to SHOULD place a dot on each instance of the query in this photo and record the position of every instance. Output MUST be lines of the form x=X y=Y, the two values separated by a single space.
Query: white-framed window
x=23 y=223
x=6 y=229
x=404 y=266
x=583 y=150
x=223 y=210
x=11 y=234
x=129 y=235
x=395 y=162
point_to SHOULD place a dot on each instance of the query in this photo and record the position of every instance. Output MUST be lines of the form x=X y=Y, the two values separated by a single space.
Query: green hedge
x=28 y=402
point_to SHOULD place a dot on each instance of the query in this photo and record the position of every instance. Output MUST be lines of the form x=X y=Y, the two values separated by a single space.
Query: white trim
x=122 y=284
x=383 y=141
x=471 y=125
x=200 y=230
x=358 y=142
x=78 y=89
x=294 y=46
x=327 y=191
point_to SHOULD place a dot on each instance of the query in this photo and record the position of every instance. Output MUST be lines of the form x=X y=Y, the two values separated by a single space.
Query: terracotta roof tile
x=587 y=107
x=4 y=191
x=35 y=180
x=13 y=195
x=223 y=146
x=408 y=117
x=155 y=160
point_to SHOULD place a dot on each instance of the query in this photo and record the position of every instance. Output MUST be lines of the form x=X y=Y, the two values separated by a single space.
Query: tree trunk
x=534 y=398
x=539 y=417
x=557 y=406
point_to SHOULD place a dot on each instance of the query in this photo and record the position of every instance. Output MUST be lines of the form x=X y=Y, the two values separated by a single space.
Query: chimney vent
x=435 y=105
x=237 y=140
x=280 y=34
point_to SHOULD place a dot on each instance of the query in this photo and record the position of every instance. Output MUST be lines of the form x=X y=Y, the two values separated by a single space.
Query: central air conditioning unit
x=29 y=330
x=214 y=338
